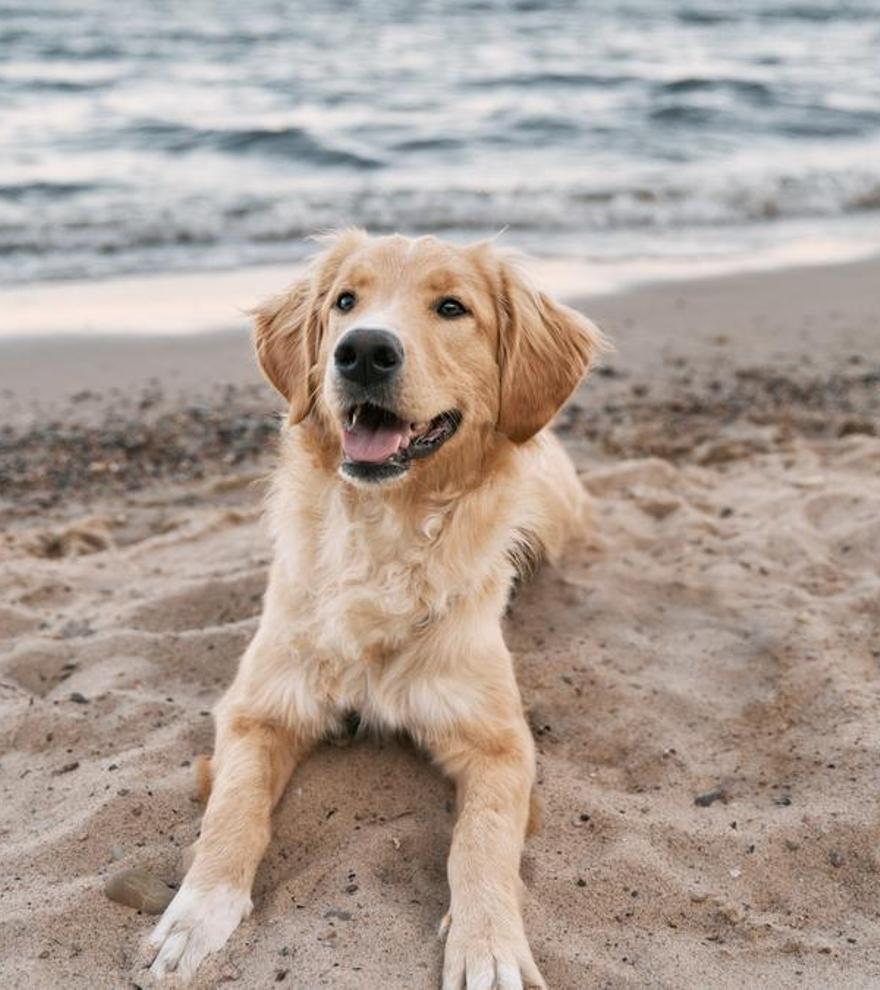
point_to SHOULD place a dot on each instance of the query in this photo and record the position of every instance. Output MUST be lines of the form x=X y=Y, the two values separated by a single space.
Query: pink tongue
x=373 y=445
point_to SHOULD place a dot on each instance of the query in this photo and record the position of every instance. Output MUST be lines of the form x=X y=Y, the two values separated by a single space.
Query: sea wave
x=142 y=136
x=256 y=228
x=294 y=144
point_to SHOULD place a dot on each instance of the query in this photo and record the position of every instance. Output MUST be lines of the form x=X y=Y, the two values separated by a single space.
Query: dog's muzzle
x=378 y=443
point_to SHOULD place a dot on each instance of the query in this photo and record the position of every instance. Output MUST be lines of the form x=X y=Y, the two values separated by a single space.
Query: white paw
x=485 y=954
x=196 y=923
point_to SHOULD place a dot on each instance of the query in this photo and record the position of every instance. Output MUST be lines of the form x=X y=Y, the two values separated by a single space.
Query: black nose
x=368 y=357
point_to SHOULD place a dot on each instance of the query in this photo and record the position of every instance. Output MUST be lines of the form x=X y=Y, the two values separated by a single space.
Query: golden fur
x=386 y=599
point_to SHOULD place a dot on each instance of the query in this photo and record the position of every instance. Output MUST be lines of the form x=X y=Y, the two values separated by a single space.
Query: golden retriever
x=417 y=474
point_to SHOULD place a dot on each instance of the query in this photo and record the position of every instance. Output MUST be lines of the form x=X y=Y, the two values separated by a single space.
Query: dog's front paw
x=487 y=952
x=196 y=923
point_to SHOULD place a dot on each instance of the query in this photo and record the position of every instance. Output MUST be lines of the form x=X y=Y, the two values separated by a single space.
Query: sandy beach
x=703 y=682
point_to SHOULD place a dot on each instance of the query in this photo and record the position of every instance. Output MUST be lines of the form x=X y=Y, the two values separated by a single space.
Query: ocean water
x=159 y=135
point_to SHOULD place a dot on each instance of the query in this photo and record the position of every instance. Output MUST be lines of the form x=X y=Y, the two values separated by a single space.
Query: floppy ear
x=544 y=351
x=284 y=334
x=288 y=327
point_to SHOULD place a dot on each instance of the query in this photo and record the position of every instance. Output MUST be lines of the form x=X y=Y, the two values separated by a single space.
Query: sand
x=702 y=682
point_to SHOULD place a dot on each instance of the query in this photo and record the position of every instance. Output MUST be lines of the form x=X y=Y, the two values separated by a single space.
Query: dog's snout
x=368 y=356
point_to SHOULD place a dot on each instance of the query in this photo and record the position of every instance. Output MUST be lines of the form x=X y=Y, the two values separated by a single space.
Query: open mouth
x=377 y=444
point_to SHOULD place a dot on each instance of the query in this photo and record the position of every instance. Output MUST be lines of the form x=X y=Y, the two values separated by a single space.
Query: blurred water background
x=160 y=135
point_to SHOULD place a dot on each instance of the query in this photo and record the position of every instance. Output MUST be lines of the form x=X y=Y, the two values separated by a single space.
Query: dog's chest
x=373 y=589
x=378 y=584
x=368 y=599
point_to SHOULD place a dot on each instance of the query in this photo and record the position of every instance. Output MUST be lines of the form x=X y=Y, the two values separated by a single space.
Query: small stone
x=655 y=506
x=836 y=858
x=710 y=797
x=67 y=768
x=140 y=890
x=78 y=698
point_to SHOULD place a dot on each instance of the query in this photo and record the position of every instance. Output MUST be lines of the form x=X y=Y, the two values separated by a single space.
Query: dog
x=417 y=479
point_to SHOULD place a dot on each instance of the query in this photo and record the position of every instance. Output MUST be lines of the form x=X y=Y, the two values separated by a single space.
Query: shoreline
x=172 y=304
x=811 y=317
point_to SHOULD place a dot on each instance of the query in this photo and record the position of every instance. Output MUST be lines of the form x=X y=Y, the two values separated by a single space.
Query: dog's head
x=398 y=352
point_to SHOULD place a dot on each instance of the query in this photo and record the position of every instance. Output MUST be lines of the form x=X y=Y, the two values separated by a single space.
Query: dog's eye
x=346 y=301
x=450 y=309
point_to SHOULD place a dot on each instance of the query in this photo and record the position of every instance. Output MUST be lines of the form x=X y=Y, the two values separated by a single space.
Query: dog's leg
x=492 y=761
x=251 y=765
